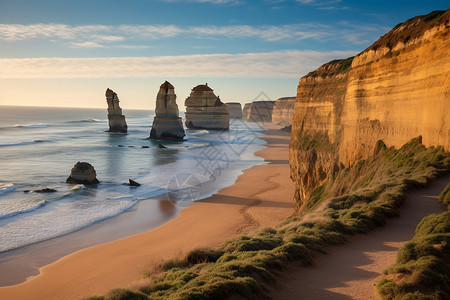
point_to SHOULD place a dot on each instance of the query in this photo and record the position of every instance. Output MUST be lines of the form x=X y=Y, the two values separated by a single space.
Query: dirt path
x=350 y=271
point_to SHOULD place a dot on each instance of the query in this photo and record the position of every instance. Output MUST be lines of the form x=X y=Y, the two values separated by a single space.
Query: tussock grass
x=356 y=200
x=422 y=269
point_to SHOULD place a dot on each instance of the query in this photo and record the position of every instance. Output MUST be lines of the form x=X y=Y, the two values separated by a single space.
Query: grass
x=355 y=200
x=422 y=269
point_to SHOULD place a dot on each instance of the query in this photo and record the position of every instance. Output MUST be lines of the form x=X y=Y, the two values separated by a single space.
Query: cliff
x=245 y=111
x=260 y=111
x=235 y=110
x=395 y=90
x=204 y=110
x=283 y=110
x=167 y=124
x=116 y=120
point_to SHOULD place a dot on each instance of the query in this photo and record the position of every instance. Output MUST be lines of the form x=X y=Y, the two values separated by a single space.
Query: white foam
x=6 y=187
x=40 y=125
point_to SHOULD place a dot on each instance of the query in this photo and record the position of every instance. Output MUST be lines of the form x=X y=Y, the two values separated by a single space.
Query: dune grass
x=422 y=269
x=356 y=200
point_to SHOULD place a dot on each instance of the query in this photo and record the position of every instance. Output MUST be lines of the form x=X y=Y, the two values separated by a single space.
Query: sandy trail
x=350 y=271
x=261 y=197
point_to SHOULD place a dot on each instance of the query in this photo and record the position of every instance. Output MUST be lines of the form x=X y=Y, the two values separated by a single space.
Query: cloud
x=279 y=64
x=91 y=35
x=207 y=1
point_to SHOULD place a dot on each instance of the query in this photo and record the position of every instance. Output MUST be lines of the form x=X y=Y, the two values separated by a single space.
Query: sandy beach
x=261 y=197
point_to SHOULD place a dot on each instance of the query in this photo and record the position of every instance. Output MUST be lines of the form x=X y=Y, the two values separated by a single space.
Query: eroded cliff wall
x=395 y=90
x=283 y=110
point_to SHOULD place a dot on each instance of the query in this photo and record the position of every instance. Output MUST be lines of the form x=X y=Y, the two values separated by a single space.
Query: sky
x=67 y=53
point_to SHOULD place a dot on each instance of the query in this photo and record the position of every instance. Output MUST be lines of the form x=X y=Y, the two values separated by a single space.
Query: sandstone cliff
x=260 y=111
x=235 y=110
x=204 y=110
x=283 y=110
x=395 y=90
x=167 y=124
x=116 y=120
x=245 y=111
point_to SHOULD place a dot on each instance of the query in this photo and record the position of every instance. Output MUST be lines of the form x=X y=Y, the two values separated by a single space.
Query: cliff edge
x=395 y=90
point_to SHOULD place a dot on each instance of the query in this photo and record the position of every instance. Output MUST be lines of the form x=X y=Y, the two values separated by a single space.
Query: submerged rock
x=204 y=110
x=45 y=190
x=116 y=120
x=167 y=125
x=161 y=146
x=83 y=173
x=134 y=183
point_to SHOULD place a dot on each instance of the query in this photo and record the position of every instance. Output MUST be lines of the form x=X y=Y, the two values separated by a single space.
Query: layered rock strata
x=283 y=110
x=204 y=110
x=235 y=110
x=167 y=125
x=83 y=173
x=261 y=111
x=116 y=119
x=395 y=90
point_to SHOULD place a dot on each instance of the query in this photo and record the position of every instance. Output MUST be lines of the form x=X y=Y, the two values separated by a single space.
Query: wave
x=22 y=143
x=6 y=188
x=40 y=125
x=23 y=210
x=85 y=121
x=198 y=132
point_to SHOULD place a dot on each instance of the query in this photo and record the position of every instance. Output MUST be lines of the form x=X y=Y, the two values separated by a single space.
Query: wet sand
x=261 y=197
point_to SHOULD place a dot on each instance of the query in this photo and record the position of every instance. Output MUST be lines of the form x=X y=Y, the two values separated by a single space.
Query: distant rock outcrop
x=261 y=111
x=283 y=110
x=167 y=125
x=245 y=111
x=116 y=120
x=204 y=110
x=235 y=110
x=83 y=173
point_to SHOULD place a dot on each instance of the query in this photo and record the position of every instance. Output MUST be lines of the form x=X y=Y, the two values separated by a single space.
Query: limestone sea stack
x=261 y=111
x=116 y=119
x=235 y=110
x=83 y=173
x=283 y=110
x=204 y=110
x=167 y=125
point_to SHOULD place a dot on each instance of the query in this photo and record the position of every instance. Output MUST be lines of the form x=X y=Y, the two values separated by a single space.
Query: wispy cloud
x=100 y=35
x=279 y=64
x=207 y=1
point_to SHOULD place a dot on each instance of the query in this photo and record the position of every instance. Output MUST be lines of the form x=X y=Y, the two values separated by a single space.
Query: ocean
x=40 y=145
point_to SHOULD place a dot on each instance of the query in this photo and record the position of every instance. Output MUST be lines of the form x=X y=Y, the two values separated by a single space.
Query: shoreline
x=236 y=209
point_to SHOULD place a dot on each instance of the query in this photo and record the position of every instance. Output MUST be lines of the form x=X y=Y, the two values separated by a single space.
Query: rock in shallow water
x=83 y=173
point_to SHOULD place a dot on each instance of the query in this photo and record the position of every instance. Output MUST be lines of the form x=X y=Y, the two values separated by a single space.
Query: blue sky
x=66 y=53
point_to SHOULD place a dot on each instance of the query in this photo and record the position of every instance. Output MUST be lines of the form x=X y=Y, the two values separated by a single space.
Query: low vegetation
x=356 y=200
x=422 y=270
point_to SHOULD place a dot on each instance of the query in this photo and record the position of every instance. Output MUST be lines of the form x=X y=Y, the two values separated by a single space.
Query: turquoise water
x=39 y=146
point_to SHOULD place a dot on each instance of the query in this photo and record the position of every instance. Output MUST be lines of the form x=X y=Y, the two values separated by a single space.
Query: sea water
x=39 y=146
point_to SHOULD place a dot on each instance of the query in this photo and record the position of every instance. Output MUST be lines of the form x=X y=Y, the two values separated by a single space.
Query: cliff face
x=395 y=90
x=235 y=110
x=283 y=110
x=260 y=111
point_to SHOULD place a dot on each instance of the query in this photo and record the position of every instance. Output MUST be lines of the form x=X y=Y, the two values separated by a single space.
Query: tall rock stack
x=167 y=125
x=204 y=110
x=116 y=120
x=246 y=110
x=235 y=110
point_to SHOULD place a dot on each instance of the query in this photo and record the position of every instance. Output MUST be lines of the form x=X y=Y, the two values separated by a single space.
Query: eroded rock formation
x=204 y=110
x=167 y=125
x=283 y=110
x=260 y=111
x=395 y=90
x=116 y=119
x=235 y=110
x=83 y=173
